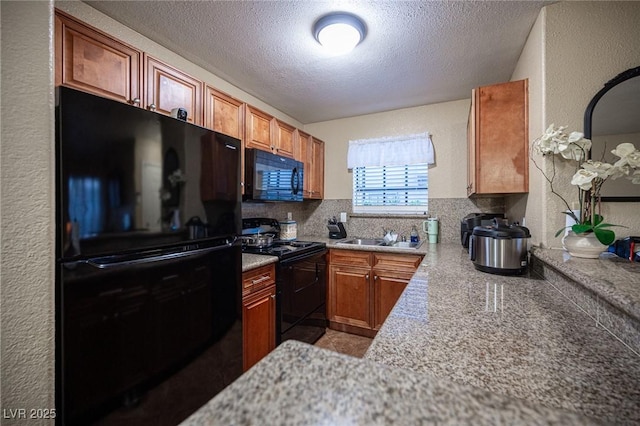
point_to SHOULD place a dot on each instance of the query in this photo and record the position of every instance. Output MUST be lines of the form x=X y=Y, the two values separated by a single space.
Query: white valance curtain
x=391 y=151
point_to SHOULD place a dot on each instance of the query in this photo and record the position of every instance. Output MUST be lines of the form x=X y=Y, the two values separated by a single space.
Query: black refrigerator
x=148 y=264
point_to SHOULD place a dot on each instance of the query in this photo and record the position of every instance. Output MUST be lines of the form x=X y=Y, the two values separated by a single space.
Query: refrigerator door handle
x=110 y=262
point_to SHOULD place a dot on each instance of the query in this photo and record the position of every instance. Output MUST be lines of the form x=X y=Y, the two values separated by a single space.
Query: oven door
x=301 y=304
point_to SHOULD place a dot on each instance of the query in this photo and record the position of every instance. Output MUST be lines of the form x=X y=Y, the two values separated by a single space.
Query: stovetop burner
x=302 y=243
x=280 y=249
x=286 y=249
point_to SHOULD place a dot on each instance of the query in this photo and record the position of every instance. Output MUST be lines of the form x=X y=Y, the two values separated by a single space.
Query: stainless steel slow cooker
x=500 y=249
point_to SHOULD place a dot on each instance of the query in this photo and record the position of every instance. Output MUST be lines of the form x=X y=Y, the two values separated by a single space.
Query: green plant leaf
x=580 y=228
x=598 y=219
x=561 y=230
x=605 y=236
x=607 y=225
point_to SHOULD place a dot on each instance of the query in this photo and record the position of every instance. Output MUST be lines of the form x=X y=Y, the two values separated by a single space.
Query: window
x=390 y=175
x=391 y=189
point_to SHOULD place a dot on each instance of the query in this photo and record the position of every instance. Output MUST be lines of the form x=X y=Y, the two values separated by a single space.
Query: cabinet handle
x=366 y=277
x=135 y=101
x=375 y=277
x=261 y=279
x=152 y=107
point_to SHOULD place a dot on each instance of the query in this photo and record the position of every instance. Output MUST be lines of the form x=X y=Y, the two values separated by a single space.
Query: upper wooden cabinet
x=311 y=152
x=258 y=129
x=498 y=139
x=223 y=113
x=284 y=138
x=264 y=132
x=89 y=60
x=168 y=88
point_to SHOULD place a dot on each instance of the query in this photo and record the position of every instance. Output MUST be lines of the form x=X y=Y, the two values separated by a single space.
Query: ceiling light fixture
x=339 y=32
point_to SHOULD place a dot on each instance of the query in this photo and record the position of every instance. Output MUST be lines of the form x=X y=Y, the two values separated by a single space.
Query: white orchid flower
x=602 y=170
x=635 y=177
x=628 y=155
x=583 y=179
x=574 y=147
x=619 y=169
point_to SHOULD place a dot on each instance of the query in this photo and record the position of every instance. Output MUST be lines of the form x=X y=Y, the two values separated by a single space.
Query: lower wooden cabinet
x=258 y=314
x=364 y=287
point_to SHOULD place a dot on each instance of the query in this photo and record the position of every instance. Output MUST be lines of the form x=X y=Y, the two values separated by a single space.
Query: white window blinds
x=390 y=175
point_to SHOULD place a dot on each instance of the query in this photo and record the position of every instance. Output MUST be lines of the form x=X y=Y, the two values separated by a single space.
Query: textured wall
x=447 y=123
x=531 y=66
x=587 y=44
x=27 y=234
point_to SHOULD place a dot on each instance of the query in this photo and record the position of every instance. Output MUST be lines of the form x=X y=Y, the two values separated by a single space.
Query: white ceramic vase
x=583 y=245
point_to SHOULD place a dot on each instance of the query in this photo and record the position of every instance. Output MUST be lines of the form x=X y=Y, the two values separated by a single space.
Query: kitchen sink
x=406 y=244
x=364 y=242
x=380 y=242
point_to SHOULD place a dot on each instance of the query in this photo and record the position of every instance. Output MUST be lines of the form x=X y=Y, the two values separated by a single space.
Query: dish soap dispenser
x=414 y=234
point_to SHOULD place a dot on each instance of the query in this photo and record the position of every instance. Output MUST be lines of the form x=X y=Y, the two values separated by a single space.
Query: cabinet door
x=284 y=135
x=316 y=186
x=223 y=113
x=501 y=139
x=471 y=146
x=258 y=129
x=350 y=296
x=258 y=325
x=89 y=60
x=169 y=88
x=303 y=154
x=310 y=151
x=387 y=288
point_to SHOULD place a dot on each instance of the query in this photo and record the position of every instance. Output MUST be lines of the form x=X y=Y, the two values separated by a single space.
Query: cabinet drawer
x=351 y=258
x=258 y=278
x=396 y=262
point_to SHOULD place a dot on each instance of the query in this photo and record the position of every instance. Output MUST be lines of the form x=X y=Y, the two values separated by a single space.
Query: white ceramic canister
x=288 y=230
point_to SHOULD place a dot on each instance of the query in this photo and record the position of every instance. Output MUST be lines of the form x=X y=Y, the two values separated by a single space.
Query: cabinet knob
x=135 y=101
x=375 y=277
x=273 y=296
x=152 y=107
x=366 y=276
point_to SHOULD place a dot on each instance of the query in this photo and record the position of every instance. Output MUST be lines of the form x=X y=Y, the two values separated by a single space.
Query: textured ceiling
x=415 y=52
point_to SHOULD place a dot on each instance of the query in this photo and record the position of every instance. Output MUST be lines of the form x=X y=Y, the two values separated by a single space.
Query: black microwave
x=270 y=177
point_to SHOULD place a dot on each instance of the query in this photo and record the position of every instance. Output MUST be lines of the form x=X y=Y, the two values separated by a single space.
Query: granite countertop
x=511 y=335
x=614 y=279
x=252 y=261
x=460 y=346
x=304 y=385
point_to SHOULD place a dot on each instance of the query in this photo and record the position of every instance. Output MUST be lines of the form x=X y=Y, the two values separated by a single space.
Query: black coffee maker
x=336 y=229
x=472 y=220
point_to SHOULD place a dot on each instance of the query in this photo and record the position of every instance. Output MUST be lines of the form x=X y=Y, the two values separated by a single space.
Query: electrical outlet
x=343 y=217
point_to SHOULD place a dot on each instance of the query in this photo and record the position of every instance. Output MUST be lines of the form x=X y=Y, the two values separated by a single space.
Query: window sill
x=390 y=215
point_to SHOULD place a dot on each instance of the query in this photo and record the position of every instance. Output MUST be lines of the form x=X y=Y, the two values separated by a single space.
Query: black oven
x=301 y=289
x=301 y=280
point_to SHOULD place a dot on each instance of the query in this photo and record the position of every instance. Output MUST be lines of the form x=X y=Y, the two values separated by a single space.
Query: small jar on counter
x=288 y=230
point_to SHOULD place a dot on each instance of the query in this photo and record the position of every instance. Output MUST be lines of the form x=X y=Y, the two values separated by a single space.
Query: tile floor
x=345 y=343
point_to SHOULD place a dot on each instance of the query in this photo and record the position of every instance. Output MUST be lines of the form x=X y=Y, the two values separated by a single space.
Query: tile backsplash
x=312 y=216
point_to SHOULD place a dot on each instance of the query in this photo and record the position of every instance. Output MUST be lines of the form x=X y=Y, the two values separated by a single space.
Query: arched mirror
x=613 y=117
